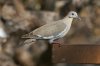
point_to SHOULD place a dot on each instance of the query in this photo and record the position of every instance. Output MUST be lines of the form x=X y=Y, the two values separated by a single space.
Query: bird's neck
x=68 y=21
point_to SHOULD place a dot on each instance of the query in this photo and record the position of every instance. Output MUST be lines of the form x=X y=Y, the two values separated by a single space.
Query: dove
x=53 y=30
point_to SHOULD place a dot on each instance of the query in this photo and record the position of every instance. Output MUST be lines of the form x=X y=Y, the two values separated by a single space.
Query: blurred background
x=18 y=17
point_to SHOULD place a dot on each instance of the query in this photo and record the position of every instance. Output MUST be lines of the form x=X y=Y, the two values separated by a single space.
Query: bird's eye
x=72 y=13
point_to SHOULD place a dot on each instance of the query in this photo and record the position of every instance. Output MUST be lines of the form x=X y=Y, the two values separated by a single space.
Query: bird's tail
x=30 y=36
x=29 y=41
x=25 y=36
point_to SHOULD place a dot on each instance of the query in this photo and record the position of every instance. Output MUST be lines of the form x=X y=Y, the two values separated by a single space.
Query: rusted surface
x=76 y=54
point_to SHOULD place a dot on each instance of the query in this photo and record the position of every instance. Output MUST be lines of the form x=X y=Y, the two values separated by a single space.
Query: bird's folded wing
x=48 y=31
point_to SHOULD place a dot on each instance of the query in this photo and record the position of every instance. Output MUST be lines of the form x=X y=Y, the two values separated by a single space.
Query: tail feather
x=29 y=35
x=26 y=36
x=32 y=36
x=28 y=41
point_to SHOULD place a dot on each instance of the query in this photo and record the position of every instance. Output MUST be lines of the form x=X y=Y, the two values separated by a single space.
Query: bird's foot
x=59 y=42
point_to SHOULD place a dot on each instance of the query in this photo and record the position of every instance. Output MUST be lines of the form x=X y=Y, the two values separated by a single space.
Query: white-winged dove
x=53 y=30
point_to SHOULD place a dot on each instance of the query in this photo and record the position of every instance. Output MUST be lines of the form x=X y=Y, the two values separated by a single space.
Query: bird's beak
x=79 y=18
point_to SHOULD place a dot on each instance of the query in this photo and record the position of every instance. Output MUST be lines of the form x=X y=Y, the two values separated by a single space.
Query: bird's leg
x=58 y=41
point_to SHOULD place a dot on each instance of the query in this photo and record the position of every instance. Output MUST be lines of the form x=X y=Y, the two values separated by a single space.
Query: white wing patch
x=42 y=37
x=50 y=37
x=39 y=35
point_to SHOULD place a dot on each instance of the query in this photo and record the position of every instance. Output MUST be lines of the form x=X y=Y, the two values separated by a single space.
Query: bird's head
x=73 y=14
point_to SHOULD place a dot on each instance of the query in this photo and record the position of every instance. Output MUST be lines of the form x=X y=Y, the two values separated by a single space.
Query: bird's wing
x=47 y=31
